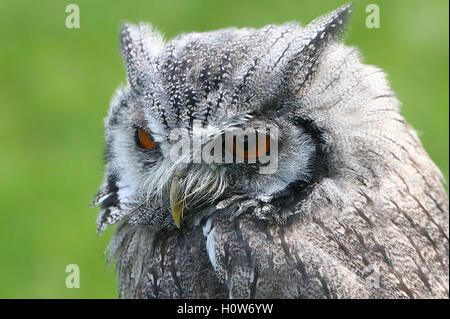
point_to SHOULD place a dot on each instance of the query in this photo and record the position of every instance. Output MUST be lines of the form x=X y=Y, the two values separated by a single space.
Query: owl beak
x=176 y=203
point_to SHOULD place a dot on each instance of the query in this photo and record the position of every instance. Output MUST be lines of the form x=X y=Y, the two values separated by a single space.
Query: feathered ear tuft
x=317 y=35
x=329 y=26
x=139 y=45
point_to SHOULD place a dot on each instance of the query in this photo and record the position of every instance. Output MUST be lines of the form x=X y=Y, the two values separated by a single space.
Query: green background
x=55 y=87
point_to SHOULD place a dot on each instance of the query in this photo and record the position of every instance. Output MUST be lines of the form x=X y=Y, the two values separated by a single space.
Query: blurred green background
x=55 y=87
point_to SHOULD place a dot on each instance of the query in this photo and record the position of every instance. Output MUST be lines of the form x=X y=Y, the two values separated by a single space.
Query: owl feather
x=355 y=209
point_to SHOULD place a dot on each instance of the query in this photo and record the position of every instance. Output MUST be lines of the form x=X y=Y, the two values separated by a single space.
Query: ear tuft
x=139 y=45
x=330 y=25
x=317 y=35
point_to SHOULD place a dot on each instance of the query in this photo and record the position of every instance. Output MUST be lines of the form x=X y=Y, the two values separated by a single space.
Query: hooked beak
x=176 y=202
x=196 y=193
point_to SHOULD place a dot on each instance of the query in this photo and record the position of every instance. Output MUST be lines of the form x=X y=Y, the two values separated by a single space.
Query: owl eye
x=144 y=140
x=251 y=150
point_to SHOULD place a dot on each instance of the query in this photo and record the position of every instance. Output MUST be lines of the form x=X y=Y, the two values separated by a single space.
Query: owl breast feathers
x=330 y=195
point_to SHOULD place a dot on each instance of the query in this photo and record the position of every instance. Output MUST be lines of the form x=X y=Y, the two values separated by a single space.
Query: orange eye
x=144 y=140
x=246 y=148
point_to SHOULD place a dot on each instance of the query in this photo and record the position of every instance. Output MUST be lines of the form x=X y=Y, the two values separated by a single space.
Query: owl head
x=310 y=107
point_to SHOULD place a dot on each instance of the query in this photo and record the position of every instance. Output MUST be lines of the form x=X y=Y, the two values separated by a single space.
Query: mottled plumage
x=356 y=208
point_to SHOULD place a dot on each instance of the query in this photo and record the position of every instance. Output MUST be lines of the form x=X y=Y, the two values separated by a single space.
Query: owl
x=330 y=195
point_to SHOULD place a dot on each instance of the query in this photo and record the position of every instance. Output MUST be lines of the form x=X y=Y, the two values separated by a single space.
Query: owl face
x=208 y=86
